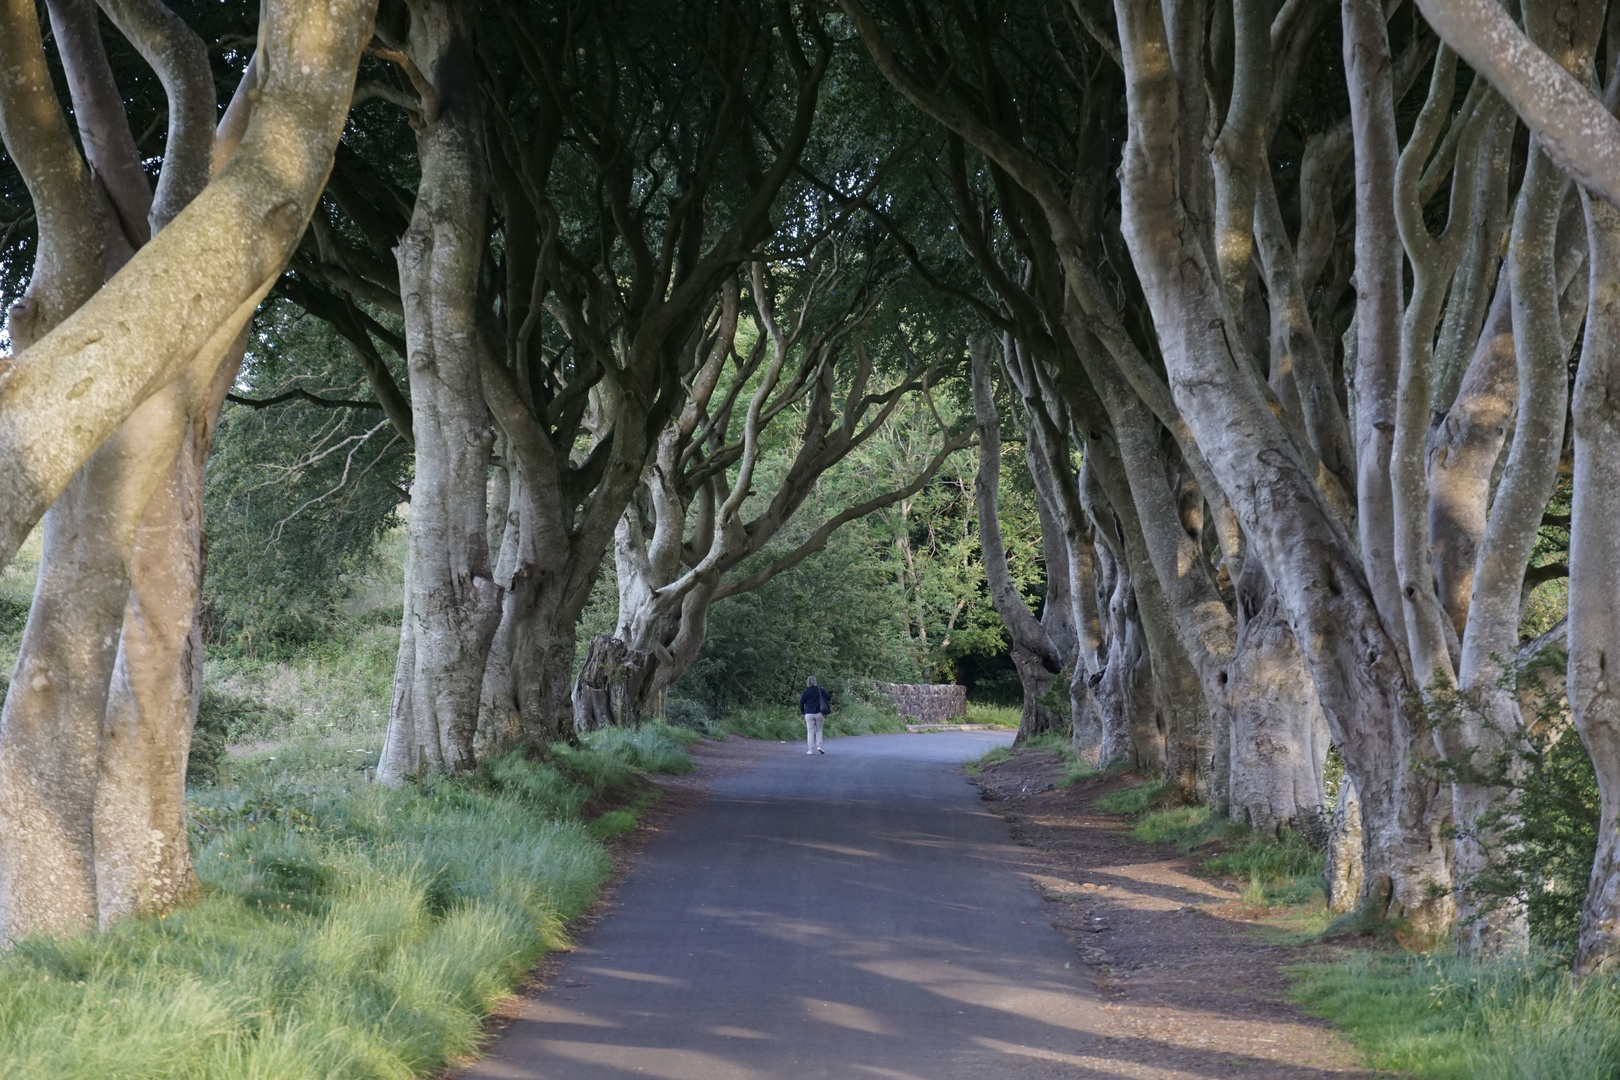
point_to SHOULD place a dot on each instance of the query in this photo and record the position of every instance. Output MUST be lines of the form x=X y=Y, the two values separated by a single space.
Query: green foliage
x=298 y=496
x=1442 y=1017
x=1056 y=699
x=1550 y=838
x=929 y=544
x=224 y=718
x=832 y=616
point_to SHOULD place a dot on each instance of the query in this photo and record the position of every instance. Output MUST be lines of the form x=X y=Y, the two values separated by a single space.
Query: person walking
x=814 y=703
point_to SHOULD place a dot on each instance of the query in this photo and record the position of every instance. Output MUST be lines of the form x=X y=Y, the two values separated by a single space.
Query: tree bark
x=453 y=604
x=1594 y=577
x=1033 y=654
x=1279 y=737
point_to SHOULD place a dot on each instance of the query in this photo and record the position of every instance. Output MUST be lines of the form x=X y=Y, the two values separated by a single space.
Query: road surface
x=858 y=914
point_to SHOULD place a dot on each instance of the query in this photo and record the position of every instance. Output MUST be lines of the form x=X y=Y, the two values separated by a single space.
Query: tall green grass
x=1001 y=716
x=1443 y=1017
x=342 y=929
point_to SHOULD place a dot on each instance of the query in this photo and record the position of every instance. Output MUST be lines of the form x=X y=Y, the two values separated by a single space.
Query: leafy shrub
x=686 y=713
x=1548 y=828
x=1545 y=824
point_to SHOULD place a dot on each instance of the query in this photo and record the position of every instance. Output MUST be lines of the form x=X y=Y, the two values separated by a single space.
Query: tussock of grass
x=1077 y=771
x=1442 y=1017
x=1179 y=824
x=1133 y=798
x=1269 y=858
x=650 y=748
x=612 y=823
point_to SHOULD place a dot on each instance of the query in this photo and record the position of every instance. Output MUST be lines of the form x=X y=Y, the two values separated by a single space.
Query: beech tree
x=124 y=343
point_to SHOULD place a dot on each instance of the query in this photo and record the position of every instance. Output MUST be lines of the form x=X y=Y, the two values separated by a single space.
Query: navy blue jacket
x=813 y=700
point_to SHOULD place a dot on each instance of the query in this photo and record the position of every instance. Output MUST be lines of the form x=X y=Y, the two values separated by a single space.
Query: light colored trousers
x=812 y=729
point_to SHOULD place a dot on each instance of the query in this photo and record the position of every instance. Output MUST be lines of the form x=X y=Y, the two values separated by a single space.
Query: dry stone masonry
x=927 y=704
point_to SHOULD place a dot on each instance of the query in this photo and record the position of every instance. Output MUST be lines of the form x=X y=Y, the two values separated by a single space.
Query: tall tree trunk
x=452 y=603
x=142 y=847
x=1033 y=654
x=1594 y=577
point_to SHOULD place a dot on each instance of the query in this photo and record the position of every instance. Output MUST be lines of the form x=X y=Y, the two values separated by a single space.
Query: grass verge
x=1275 y=871
x=1444 y=1017
x=1075 y=769
x=341 y=930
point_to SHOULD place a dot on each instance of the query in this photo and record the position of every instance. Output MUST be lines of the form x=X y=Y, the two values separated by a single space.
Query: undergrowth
x=998 y=716
x=1075 y=768
x=1445 y=1017
x=342 y=929
x=1285 y=869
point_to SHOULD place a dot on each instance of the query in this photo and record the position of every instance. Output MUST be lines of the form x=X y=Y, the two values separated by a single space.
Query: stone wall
x=938 y=704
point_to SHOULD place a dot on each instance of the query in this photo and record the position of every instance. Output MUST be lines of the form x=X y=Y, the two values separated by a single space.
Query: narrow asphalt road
x=858 y=914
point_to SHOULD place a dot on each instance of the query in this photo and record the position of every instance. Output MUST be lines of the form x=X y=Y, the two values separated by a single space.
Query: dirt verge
x=1182 y=963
